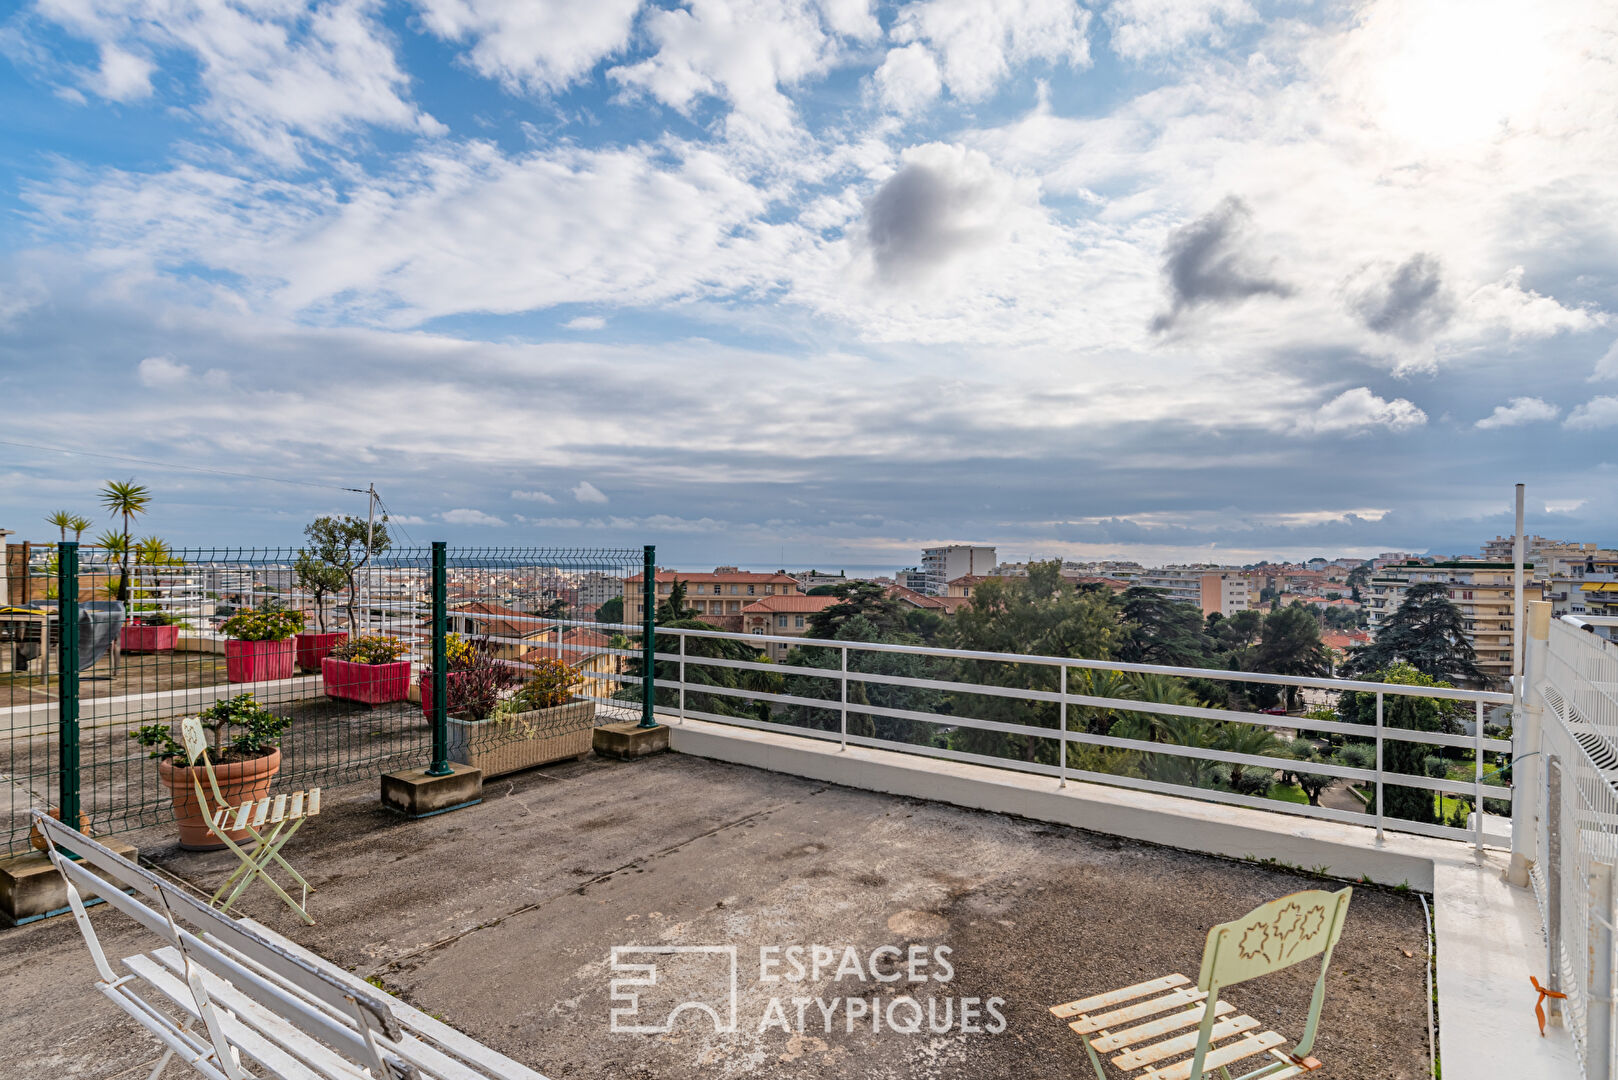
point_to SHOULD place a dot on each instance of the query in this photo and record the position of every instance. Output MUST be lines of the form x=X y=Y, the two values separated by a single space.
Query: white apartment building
x=941 y=565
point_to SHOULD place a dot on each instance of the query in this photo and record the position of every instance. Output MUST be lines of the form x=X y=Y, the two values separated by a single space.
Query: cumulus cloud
x=1359 y=410
x=1607 y=366
x=586 y=492
x=529 y=45
x=1207 y=262
x=533 y=496
x=976 y=42
x=1146 y=28
x=123 y=76
x=1598 y=412
x=1525 y=313
x=1520 y=410
x=1408 y=301
x=464 y=516
x=944 y=201
x=161 y=371
x=585 y=322
x=908 y=79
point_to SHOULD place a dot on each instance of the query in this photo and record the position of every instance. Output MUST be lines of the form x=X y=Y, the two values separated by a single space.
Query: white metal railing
x=1573 y=690
x=1065 y=735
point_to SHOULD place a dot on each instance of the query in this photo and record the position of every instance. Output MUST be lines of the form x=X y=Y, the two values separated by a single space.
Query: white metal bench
x=234 y=1000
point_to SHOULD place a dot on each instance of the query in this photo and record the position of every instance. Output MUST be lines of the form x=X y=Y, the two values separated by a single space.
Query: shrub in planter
x=260 y=645
x=151 y=632
x=245 y=755
x=475 y=679
x=540 y=723
x=367 y=669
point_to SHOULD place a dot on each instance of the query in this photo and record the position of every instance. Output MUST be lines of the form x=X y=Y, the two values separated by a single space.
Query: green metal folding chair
x=1139 y=1030
x=282 y=815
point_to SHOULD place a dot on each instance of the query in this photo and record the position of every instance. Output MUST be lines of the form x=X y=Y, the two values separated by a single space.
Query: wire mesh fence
x=318 y=668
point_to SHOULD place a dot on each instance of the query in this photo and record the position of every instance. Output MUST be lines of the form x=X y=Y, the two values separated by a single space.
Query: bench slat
x=1183 y=996
x=1117 y=997
x=1151 y=1030
x=1183 y=1044
x=1251 y=1045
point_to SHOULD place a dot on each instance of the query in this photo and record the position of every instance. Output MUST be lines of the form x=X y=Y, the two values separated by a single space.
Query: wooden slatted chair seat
x=1170 y=1028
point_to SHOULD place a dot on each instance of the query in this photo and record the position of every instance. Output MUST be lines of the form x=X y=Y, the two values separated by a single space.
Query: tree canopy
x=1428 y=633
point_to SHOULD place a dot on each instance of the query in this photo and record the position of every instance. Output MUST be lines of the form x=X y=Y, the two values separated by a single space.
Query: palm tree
x=126 y=499
x=78 y=523
x=63 y=520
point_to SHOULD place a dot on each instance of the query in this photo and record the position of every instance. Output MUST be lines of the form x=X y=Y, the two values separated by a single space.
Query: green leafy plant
x=159 y=618
x=256 y=731
x=551 y=684
x=263 y=624
x=459 y=653
x=369 y=649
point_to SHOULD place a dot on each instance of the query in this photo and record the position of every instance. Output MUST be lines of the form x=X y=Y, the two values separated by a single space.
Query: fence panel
x=1579 y=831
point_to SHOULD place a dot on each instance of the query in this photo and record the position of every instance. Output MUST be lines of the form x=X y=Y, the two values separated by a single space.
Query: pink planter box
x=372 y=684
x=426 y=684
x=314 y=647
x=135 y=638
x=256 y=661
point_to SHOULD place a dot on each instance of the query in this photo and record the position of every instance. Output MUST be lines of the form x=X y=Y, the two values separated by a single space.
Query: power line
x=192 y=468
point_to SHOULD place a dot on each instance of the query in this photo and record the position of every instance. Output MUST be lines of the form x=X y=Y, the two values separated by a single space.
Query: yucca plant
x=128 y=500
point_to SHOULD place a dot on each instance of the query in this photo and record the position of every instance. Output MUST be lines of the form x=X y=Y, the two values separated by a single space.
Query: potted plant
x=367 y=669
x=321 y=580
x=542 y=722
x=260 y=645
x=245 y=760
x=151 y=632
x=461 y=656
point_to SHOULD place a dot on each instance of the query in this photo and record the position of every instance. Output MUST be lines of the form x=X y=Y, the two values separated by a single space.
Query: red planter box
x=314 y=647
x=426 y=683
x=372 y=684
x=135 y=638
x=256 y=661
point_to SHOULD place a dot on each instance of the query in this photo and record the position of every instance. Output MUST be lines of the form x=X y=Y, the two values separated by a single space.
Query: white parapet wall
x=1487 y=932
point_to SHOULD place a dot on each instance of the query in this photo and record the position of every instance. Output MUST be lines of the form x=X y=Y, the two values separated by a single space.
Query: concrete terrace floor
x=500 y=919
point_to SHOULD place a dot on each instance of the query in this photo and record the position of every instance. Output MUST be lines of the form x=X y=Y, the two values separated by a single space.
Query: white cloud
x=1598 y=412
x=977 y=41
x=123 y=76
x=1525 y=313
x=1144 y=28
x=1359 y=410
x=586 y=492
x=585 y=322
x=1520 y=410
x=908 y=79
x=531 y=44
x=465 y=516
x=1607 y=366
x=161 y=371
x=533 y=496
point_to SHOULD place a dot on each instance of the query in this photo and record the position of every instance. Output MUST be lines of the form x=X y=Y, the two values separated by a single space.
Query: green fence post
x=67 y=682
x=648 y=591
x=440 y=763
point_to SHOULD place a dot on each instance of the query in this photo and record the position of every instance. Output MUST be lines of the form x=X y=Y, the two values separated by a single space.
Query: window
x=735 y=607
x=781 y=621
x=758 y=630
x=750 y=590
x=800 y=622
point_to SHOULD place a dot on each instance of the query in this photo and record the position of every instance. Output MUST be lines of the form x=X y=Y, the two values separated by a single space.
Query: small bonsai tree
x=256 y=731
x=321 y=579
x=268 y=623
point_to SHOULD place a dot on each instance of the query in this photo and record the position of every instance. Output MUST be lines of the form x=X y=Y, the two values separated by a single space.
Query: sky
x=786 y=282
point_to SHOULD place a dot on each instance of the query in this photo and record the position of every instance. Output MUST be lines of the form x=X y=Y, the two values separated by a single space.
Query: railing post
x=1599 y=1002
x=1526 y=723
x=648 y=686
x=440 y=764
x=682 y=678
x=844 y=709
x=1061 y=762
x=1477 y=781
x=1379 y=766
x=67 y=682
x=1553 y=886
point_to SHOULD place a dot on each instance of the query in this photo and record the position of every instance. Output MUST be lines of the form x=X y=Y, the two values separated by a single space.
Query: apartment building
x=911 y=577
x=1482 y=590
x=1210 y=589
x=941 y=565
x=782 y=616
x=1598 y=591
x=717 y=598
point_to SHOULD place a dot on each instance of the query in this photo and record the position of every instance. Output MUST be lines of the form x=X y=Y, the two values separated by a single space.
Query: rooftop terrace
x=501 y=918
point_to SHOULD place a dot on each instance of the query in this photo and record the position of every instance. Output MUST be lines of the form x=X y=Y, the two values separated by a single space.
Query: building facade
x=1483 y=591
x=1211 y=590
x=941 y=565
x=717 y=598
x=782 y=616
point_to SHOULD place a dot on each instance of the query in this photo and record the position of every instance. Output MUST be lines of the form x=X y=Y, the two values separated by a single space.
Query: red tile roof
x=526 y=624
x=774 y=604
x=740 y=577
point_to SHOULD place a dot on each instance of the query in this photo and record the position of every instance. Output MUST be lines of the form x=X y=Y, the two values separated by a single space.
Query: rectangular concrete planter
x=256 y=661
x=135 y=638
x=523 y=740
x=371 y=684
x=315 y=646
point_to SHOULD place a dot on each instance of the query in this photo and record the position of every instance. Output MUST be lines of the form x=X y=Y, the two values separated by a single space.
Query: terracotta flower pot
x=426 y=683
x=256 y=661
x=314 y=647
x=239 y=781
x=35 y=838
x=371 y=684
x=136 y=638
